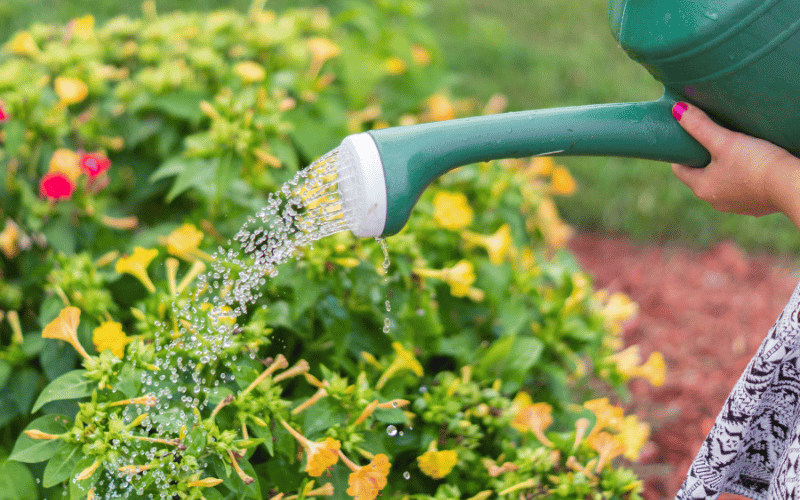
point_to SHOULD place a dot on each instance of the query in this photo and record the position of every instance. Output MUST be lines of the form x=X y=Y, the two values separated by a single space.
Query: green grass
x=539 y=54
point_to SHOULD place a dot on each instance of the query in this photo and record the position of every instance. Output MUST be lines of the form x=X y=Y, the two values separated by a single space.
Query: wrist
x=783 y=186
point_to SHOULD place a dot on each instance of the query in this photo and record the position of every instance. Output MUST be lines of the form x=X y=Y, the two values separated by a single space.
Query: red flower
x=94 y=164
x=4 y=117
x=56 y=186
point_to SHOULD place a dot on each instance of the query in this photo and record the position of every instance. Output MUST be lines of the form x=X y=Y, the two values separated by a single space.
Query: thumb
x=701 y=127
x=688 y=175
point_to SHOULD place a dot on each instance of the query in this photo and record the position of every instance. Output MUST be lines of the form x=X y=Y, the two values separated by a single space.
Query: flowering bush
x=135 y=149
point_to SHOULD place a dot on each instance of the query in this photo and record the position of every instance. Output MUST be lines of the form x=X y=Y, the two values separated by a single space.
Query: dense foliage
x=135 y=149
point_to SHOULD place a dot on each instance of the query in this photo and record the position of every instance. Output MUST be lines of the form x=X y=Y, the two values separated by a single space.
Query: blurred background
x=538 y=54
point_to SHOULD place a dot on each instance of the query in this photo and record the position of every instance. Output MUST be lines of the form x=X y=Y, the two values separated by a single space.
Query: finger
x=687 y=175
x=701 y=127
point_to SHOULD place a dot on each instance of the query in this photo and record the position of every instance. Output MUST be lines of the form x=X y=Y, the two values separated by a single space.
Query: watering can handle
x=413 y=156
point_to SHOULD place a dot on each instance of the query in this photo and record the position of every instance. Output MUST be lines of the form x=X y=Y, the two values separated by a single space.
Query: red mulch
x=707 y=312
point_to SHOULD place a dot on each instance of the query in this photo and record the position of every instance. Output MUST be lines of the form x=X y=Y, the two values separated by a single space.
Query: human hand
x=746 y=175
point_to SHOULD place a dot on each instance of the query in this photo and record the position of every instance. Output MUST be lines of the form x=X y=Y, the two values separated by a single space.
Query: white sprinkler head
x=362 y=185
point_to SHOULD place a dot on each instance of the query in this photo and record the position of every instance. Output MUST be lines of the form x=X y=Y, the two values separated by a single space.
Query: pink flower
x=56 y=186
x=94 y=164
x=4 y=117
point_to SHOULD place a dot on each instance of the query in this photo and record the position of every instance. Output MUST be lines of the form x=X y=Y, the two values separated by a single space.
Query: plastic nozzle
x=362 y=185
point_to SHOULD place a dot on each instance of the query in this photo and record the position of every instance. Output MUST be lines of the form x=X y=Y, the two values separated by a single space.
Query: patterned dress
x=753 y=449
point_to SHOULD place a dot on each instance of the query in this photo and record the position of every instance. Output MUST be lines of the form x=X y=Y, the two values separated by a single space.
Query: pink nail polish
x=678 y=109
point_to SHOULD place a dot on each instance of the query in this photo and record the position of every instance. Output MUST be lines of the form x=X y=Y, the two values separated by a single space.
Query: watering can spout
x=405 y=160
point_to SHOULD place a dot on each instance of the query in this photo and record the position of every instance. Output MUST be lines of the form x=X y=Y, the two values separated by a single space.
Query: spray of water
x=305 y=209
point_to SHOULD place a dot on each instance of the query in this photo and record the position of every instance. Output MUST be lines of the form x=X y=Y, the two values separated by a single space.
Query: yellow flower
x=608 y=415
x=533 y=417
x=403 y=360
x=452 y=210
x=607 y=446
x=82 y=27
x=497 y=245
x=320 y=455
x=37 y=434
x=23 y=44
x=439 y=108
x=367 y=481
x=184 y=242
x=109 y=335
x=618 y=309
x=136 y=265
x=67 y=162
x=654 y=369
x=562 y=181
x=65 y=327
x=555 y=232
x=580 y=289
x=541 y=166
x=322 y=49
x=395 y=66
x=9 y=239
x=633 y=435
x=250 y=72
x=420 y=55
x=208 y=482
x=88 y=472
x=437 y=464
x=349 y=262
x=70 y=90
x=460 y=277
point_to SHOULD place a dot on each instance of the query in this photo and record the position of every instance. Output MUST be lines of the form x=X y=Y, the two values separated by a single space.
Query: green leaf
x=31 y=450
x=212 y=494
x=32 y=344
x=189 y=173
x=511 y=358
x=60 y=466
x=16 y=482
x=15 y=136
x=183 y=105
x=252 y=490
x=228 y=169
x=390 y=416
x=265 y=434
x=57 y=358
x=78 y=489
x=60 y=234
x=195 y=441
x=5 y=371
x=71 y=385
x=24 y=384
x=325 y=414
x=8 y=408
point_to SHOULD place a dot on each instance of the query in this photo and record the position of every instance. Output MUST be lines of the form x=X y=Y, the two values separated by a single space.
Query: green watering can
x=735 y=59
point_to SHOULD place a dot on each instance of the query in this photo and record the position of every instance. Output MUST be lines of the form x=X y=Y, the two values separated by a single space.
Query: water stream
x=304 y=210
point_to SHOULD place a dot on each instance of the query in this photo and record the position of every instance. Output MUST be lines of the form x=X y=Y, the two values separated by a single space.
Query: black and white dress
x=753 y=449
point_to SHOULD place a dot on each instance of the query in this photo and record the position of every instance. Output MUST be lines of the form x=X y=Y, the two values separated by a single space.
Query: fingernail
x=678 y=109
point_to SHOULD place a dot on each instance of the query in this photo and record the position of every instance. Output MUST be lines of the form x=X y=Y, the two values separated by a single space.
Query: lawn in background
x=540 y=54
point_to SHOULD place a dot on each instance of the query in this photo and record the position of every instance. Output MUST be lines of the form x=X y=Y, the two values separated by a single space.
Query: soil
x=707 y=313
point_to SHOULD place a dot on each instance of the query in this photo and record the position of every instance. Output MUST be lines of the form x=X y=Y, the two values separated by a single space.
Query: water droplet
x=388 y=306
x=391 y=431
x=406 y=475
